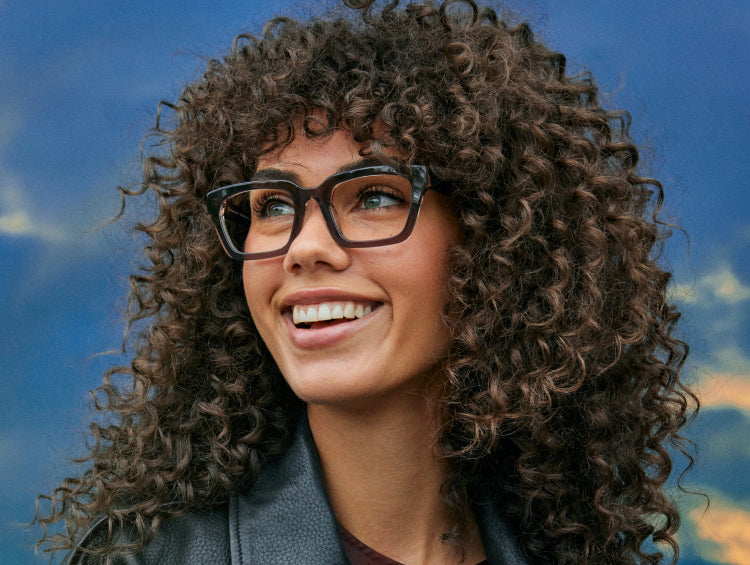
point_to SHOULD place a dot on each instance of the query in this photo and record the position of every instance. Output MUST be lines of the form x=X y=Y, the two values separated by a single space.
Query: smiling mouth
x=325 y=314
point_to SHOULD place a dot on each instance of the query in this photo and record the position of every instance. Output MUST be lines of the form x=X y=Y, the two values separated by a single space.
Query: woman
x=436 y=331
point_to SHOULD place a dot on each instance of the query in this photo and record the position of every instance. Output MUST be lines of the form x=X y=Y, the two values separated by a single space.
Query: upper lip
x=304 y=296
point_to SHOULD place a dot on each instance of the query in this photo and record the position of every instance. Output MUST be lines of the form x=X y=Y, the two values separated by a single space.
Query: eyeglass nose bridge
x=305 y=196
x=321 y=196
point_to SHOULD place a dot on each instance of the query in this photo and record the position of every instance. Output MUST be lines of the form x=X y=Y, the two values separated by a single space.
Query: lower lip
x=327 y=336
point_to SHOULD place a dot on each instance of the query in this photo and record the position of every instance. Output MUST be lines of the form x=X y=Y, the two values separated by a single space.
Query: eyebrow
x=280 y=174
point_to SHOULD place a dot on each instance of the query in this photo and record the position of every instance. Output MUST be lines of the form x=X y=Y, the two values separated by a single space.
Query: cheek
x=256 y=281
x=248 y=284
x=419 y=277
x=429 y=274
x=426 y=264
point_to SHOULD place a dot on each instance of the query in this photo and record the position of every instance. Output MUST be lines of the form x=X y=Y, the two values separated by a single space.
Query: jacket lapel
x=285 y=518
x=500 y=543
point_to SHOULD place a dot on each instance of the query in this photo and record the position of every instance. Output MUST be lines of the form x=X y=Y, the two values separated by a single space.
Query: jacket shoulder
x=192 y=538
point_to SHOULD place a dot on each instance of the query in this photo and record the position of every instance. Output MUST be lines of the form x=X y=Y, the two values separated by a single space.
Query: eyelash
x=367 y=191
x=261 y=205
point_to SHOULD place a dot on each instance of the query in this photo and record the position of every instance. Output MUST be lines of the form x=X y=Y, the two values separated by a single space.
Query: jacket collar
x=286 y=518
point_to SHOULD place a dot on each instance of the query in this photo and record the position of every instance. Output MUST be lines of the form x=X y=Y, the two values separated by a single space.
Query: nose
x=314 y=247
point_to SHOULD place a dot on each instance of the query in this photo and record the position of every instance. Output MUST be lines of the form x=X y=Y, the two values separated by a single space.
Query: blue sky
x=79 y=85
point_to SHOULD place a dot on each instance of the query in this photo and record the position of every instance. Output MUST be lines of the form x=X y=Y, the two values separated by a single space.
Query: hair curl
x=562 y=388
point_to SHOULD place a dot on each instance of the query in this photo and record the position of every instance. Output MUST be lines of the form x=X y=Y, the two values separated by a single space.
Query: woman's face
x=392 y=349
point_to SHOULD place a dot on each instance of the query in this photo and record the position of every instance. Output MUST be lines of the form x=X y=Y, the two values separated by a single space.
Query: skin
x=369 y=384
x=394 y=349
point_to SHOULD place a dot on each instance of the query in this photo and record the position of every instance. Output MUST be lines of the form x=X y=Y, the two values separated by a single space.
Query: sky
x=79 y=86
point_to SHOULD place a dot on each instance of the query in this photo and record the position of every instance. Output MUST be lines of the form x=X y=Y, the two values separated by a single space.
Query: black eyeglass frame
x=217 y=198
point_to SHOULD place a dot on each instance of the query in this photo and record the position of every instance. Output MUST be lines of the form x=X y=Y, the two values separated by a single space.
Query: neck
x=383 y=478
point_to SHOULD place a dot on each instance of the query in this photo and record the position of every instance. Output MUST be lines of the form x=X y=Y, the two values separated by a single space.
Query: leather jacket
x=284 y=519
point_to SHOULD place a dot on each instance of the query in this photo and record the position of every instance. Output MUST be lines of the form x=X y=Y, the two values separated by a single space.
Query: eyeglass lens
x=366 y=208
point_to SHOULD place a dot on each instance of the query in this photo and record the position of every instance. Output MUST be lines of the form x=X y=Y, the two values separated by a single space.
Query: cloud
x=717 y=321
x=723 y=453
x=726 y=390
x=730 y=359
x=19 y=224
x=725 y=381
x=722 y=285
x=725 y=529
x=19 y=220
x=54 y=237
x=18 y=217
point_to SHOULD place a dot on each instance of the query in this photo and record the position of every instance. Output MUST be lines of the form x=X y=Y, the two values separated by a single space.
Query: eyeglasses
x=365 y=207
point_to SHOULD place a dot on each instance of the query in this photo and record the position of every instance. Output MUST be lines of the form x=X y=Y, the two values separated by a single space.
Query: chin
x=324 y=389
x=358 y=390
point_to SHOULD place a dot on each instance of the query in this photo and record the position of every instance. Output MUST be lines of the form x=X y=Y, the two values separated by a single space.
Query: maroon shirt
x=360 y=554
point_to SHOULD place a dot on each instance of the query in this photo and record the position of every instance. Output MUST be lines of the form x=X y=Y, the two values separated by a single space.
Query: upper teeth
x=328 y=311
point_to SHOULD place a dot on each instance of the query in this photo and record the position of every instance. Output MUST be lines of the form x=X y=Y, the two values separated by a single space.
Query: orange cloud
x=727 y=528
x=725 y=380
x=725 y=390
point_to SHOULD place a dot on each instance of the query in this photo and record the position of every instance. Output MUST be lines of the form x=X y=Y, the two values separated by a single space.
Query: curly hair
x=562 y=389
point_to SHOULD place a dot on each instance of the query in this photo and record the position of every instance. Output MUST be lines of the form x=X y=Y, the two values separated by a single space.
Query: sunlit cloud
x=20 y=224
x=18 y=216
x=17 y=219
x=725 y=530
x=721 y=285
x=57 y=239
x=725 y=390
x=725 y=381
x=17 y=223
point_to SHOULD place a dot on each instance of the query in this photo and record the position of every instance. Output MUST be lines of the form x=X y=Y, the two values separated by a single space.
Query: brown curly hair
x=562 y=389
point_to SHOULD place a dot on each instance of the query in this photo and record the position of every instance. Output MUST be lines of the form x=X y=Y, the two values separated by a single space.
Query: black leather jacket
x=284 y=519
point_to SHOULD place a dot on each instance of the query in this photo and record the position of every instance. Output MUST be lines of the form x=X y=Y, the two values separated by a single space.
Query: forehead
x=304 y=153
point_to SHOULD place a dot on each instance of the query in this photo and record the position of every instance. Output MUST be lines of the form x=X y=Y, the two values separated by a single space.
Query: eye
x=377 y=197
x=272 y=205
x=278 y=208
